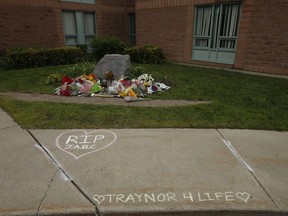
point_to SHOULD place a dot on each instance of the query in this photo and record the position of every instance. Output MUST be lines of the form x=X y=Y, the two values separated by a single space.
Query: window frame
x=81 y=36
x=66 y=36
x=94 y=26
x=214 y=39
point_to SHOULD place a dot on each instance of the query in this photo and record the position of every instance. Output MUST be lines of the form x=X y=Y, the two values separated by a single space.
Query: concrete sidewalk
x=142 y=172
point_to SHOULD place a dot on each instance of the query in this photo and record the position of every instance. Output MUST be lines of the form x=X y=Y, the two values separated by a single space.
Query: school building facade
x=241 y=34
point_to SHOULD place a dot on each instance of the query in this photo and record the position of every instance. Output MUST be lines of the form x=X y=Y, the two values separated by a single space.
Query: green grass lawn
x=237 y=101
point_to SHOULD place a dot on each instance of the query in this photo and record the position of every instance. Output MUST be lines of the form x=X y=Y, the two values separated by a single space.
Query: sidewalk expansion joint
x=245 y=164
x=62 y=170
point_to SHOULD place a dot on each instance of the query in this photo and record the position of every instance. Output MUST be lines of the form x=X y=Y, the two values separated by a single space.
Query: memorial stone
x=115 y=63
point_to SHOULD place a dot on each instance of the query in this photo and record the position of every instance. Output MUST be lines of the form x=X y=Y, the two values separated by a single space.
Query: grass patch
x=238 y=101
x=30 y=80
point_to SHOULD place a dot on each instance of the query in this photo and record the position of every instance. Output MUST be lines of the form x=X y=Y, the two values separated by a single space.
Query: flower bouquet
x=125 y=87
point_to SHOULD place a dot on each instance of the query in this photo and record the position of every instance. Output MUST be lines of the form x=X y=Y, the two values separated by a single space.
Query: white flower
x=146 y=78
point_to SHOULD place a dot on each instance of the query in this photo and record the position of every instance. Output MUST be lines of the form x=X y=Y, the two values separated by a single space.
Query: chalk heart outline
x=86 y=133
x=99 y=198
x=244 y=196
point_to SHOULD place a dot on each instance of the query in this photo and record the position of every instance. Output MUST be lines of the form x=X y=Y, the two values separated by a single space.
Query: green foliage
x=237 y=101
x=83 y=47
x=107 y=45
x=31 y=57
x=2 y=57
x=54 y=78
x=136 y=71
x=81 y=68
x=87 y=52
x=2 y=63
x=146 y=54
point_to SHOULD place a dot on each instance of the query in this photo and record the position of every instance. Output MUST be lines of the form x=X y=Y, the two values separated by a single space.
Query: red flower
x=67 y=80
x=126 y=83
x=80 y=80
x=65 y=91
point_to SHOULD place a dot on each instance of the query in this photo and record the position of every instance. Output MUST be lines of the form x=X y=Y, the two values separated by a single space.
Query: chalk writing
x=83 y=139
x=79 y=143
x=146 y=198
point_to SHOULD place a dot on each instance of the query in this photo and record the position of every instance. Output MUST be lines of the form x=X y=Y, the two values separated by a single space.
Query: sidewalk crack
x=46 y=192
x=12 y=126
x=62 y=170
x=246 y=165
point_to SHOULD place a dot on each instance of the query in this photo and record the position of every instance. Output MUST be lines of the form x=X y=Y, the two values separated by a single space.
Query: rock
x=116 y=63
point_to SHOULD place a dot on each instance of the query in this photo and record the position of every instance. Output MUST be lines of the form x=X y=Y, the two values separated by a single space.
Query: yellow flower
x=122 y=94
x=132 y=93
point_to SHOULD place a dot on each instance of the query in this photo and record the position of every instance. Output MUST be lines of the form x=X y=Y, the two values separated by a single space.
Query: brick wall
x=36 y=23
x=29 y=23
x=111 y=15
x=263 y=44
x=169 y=24
x=112 y=18
x=164 y=27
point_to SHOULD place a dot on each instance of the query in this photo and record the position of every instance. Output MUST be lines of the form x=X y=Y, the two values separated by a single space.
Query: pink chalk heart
x=79 y=143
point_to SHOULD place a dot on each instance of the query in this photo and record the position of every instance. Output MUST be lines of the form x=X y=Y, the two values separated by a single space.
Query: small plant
x=54 y=78
x=82 y=67
x=136 y=71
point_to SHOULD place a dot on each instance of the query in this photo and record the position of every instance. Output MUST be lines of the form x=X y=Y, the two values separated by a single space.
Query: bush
x=146 y=54
x=32 y=57
x=107 y=45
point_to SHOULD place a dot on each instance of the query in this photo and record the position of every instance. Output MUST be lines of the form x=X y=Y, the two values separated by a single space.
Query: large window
x=215 y=32
x=79 y=27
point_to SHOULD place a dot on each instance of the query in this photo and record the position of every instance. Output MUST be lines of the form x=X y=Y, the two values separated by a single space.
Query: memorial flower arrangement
x=125 y=87
x=146 y=79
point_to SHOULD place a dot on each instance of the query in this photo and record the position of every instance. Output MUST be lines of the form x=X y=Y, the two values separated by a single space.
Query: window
x=89 y=26
x=81 y=1
x=132 y=29
x=79 y=27
x=215 y=32
x=70 y=28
